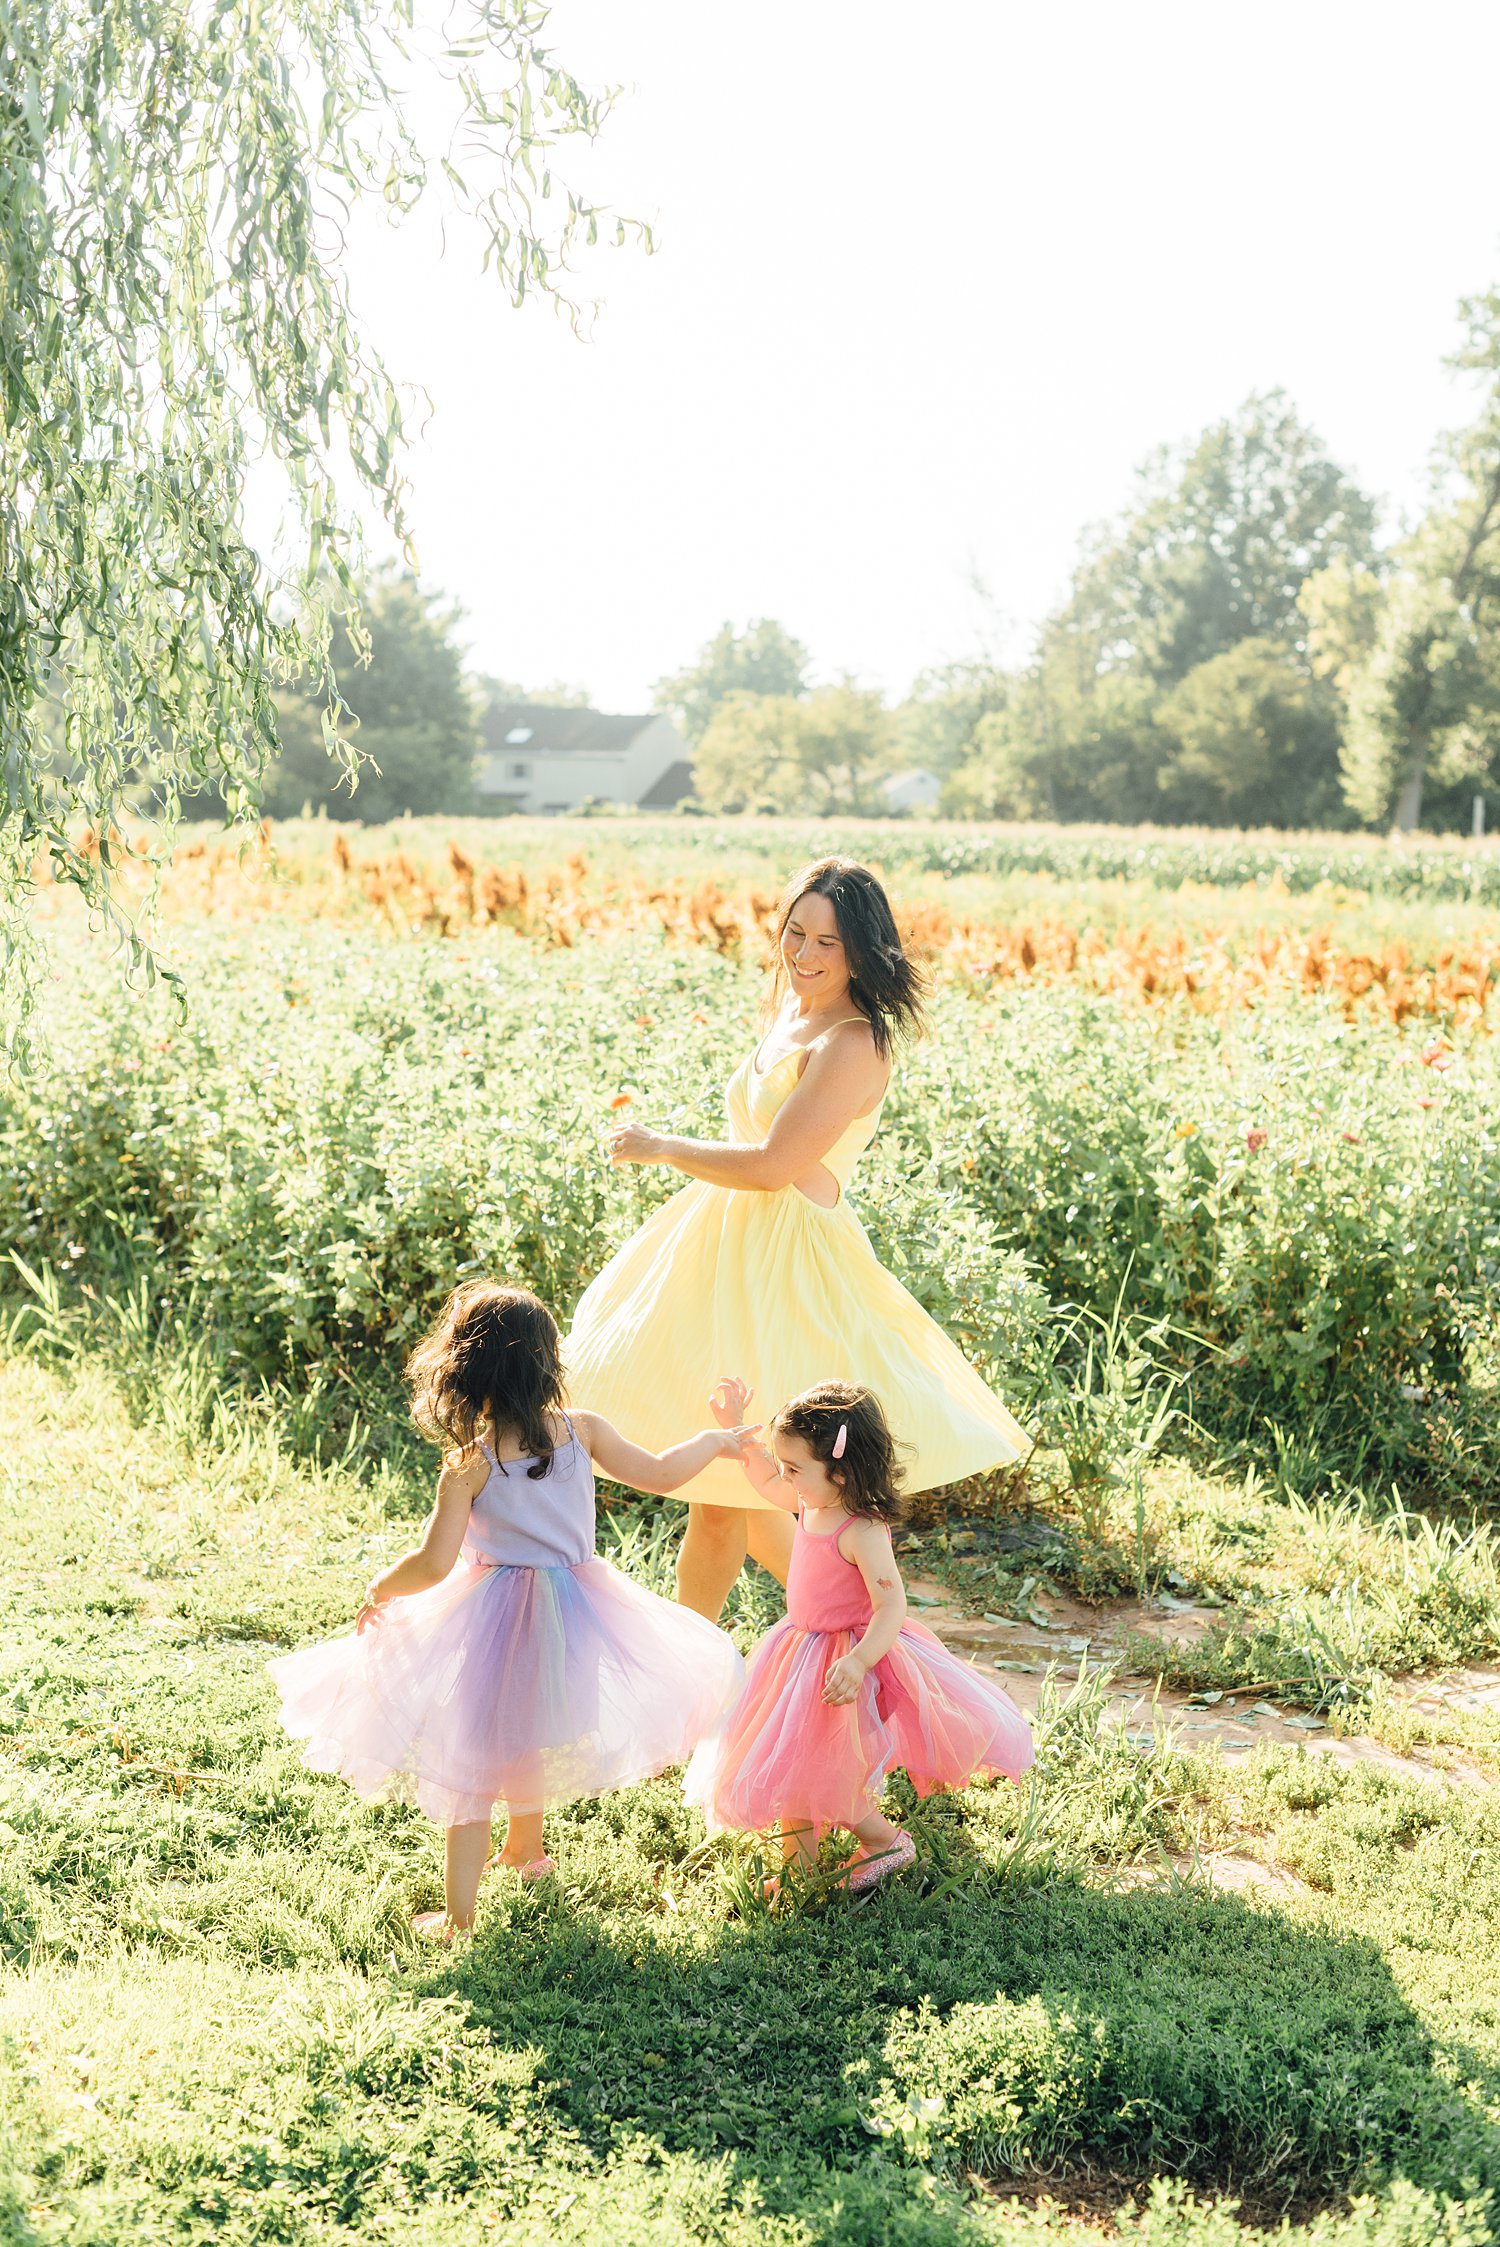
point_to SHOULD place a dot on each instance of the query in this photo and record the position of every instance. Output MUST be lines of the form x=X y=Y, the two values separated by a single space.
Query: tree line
x=1238 y=648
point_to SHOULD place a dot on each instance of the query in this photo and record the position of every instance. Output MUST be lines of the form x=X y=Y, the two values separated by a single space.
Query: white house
x=911 y=791
x=538 y=759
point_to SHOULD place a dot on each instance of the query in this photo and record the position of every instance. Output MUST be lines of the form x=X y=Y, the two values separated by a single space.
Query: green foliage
x=1423 y=678
x=415 y=732
x=328 y=1141
x=936 y=724
x=1212 y=555
x=1423 y=708
x=764 y=659
x=827 y=752
x=174 y=306
x=1255 y=742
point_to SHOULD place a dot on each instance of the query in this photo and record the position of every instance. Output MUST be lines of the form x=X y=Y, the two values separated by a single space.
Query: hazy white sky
x=930 y=283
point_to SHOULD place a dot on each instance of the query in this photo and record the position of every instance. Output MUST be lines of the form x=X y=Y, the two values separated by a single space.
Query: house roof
x=669 y=787
x=552 y=732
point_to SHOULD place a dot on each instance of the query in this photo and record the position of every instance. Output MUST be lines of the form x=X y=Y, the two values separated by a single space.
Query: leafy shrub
x=338 y=1130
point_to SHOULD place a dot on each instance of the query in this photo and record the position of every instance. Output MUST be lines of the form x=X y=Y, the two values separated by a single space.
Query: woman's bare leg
x=769 y=1536
x=710 y=1557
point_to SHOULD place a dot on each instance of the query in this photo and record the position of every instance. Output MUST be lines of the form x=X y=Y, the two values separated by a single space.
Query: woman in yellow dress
x=760 y=1268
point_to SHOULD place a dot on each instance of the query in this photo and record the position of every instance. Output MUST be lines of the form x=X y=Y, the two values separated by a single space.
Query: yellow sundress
x=784 y=1293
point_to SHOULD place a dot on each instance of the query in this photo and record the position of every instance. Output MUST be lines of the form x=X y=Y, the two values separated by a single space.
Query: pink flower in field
x=1426 y=1103
x=620 y=1100
x=1256 y=1139
x=1439 y=1057
x=1352 y=1137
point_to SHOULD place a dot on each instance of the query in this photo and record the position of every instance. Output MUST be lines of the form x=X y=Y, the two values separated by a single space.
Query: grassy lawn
x=214 y=2024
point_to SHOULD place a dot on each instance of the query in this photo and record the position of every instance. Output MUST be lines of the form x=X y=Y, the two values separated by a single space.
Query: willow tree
x=174 y=176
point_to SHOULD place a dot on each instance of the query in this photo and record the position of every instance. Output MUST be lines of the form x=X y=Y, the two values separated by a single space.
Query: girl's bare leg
x=710 y=1557
x=464 y=1851
x=523 y=1839
x=875 y=1835
x=799 y=1845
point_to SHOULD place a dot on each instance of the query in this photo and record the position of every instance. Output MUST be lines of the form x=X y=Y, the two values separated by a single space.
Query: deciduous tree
x=1423 y=681
x=407 y=704
x=763 y=659
x=828 y=753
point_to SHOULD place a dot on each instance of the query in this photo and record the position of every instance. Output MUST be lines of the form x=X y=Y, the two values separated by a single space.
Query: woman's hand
x=633 y=1143
x=371 y=1607
x=844 y=1680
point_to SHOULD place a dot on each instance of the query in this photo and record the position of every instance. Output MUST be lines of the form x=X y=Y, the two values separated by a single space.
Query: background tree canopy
x=410 y=709
x=763 y=659
x=170 y=184
x=1136 y=705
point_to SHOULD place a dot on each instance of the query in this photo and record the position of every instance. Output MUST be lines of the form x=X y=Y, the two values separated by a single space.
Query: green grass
x=215 y=2025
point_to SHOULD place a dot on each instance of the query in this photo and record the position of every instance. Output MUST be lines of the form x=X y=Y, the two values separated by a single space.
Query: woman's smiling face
x=812 y=951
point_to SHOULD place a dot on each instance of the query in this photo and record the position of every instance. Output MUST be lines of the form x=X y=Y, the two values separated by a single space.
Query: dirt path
x=1233 y=1723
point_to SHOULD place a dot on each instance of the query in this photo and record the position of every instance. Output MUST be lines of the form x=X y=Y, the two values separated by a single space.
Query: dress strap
x=838 y=1542
x=489 y=1454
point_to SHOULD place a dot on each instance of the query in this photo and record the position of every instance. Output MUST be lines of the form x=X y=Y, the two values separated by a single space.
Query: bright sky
x=930 y=283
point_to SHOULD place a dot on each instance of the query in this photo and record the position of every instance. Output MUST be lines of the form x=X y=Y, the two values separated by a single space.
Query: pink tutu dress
x=534 y=1673
x=784 y=1754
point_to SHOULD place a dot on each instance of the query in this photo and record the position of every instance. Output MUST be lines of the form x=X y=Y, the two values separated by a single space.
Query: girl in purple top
x=501 y=1659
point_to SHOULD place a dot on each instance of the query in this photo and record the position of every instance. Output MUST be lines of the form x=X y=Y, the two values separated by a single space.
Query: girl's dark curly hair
x=868 y=1478
x=885 y=983
x=493 y=1360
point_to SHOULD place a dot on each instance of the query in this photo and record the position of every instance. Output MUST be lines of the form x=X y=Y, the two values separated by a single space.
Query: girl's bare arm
x=729 y=1405
x=659 y=1471
x=459 y=1484
x=868 y=1545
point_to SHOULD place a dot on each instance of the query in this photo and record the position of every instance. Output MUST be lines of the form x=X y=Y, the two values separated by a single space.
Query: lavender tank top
x=549 y=1523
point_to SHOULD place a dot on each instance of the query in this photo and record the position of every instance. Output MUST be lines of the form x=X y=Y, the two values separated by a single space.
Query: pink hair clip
x=840 y=1440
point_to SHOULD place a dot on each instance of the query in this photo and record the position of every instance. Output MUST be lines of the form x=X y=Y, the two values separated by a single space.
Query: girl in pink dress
x=845 y=1687
x=501 y=1659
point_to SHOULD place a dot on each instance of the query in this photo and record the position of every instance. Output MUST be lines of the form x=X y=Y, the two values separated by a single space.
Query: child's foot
x=436 y=1927
x=534 y=1868
x=872 y=1866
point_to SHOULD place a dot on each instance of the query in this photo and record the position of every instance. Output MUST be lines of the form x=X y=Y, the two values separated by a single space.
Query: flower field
x=1264 y=1124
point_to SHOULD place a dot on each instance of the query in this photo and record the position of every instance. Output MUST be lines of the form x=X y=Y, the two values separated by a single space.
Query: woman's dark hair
x=868 y=1477
x=885 y=984
x=493 y=1358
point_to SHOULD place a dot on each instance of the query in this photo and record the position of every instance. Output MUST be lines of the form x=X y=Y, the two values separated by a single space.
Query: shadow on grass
x=1070 y=2030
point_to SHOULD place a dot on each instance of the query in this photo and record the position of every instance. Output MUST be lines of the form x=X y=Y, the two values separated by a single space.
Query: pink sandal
x=536 y=1868
x=436 y=1927
x=876 y=1865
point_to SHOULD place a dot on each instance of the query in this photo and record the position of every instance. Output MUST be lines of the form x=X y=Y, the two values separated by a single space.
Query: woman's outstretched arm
x=843 y=1080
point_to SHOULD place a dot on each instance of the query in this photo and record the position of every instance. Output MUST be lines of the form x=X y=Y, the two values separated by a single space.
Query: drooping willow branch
x=173 y=175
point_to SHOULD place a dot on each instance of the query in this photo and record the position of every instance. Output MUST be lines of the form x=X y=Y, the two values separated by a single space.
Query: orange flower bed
x=1213 y=969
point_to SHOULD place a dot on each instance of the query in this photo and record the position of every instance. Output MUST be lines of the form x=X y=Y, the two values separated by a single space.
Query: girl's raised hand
x=370 y=1611
x=730 y=1400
